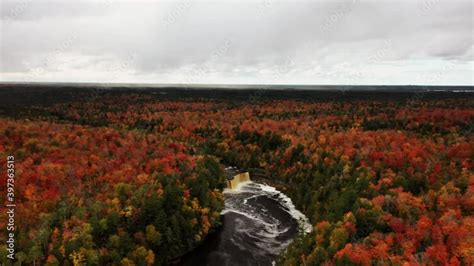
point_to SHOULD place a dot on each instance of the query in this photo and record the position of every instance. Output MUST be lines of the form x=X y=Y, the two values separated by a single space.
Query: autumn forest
x=136 y=177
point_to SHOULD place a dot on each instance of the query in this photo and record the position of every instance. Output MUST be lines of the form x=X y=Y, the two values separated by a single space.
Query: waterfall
x=260 y=222
x=238 y=179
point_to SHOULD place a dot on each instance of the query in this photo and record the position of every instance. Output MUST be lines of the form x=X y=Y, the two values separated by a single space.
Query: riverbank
x=192 y=257
x=258 y=222
x=260 y=175
x=273 y=201
x=276 y=184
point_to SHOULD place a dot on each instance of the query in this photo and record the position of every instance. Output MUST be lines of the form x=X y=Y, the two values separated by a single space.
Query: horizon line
x=112 y=84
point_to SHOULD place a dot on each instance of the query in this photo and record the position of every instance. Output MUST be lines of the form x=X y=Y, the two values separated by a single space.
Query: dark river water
x=258 y=223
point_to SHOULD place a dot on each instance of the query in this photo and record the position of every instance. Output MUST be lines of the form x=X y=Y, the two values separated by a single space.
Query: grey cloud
x=167 y=40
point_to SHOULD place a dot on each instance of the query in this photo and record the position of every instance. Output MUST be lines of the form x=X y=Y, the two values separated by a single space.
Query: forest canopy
x=137 y=178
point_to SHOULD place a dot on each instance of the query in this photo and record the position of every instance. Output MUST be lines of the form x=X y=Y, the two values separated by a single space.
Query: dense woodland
x=135 y=178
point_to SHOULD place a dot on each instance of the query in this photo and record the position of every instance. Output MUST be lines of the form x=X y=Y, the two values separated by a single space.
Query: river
x=259 y=222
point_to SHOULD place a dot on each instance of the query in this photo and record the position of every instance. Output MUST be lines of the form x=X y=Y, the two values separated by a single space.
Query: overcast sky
x=245 y=42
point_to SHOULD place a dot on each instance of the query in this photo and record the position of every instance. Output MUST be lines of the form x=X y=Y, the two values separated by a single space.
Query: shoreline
x=192 y=257
x=208 y=241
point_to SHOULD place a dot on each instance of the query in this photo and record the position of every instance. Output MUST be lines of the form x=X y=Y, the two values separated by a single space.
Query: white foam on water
x=250 y=186
x=263 y=226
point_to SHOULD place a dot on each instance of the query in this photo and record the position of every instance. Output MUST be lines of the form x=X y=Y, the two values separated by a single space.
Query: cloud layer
x=265 y=42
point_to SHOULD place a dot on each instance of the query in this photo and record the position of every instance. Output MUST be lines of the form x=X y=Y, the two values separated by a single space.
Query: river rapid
x=259 y=222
